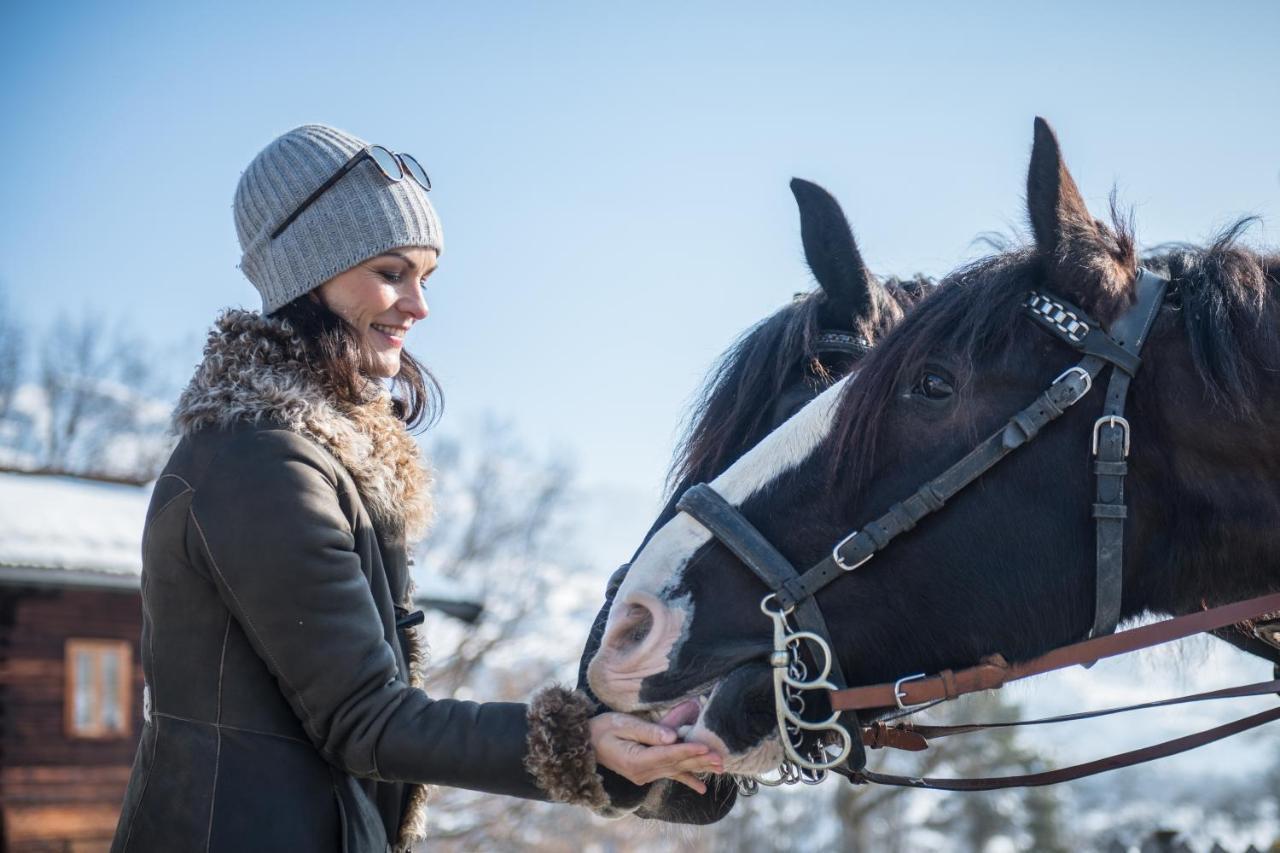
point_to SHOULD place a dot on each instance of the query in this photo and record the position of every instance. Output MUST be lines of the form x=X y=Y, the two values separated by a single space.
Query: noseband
x=836 y=742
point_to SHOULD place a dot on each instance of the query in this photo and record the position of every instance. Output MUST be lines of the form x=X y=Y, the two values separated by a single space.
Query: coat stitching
x=142 y=795
x=232 y=728
x=155 y=740
x=217 y=755
x=247 y=618
x=187 y=491
x=178 y=478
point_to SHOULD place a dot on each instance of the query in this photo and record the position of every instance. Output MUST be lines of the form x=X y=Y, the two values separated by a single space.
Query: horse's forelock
x=734 y=405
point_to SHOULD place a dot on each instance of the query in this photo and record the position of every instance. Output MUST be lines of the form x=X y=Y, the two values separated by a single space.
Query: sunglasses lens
x=386 y=162
x=415 y=170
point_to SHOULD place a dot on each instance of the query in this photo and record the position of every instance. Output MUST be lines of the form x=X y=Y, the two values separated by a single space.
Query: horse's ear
x=833 y=256
x=1085 y=260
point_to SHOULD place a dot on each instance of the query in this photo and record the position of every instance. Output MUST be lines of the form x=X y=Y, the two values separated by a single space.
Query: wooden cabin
x=70 y=670
x=70 y=674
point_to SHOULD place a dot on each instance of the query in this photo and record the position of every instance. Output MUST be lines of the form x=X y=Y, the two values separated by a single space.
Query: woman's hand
x=642 y=751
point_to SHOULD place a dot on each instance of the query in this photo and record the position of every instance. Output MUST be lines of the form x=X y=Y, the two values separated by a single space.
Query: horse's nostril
x=639 y=624
x=633 y=627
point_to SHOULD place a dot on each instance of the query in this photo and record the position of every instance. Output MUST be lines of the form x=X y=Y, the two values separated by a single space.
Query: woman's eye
x=391 y=277
x=934 y=386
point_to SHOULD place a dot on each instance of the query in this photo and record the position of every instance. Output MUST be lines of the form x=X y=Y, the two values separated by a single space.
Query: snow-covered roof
x=68 y=530
x=73 y=531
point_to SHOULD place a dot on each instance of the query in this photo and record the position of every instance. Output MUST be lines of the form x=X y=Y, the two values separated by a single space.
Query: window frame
x=98 y=649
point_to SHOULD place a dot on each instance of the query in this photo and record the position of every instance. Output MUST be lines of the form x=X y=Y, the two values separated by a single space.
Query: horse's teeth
x=683 y=731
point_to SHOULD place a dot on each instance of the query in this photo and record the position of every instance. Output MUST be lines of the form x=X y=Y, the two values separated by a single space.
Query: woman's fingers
x=643 y=752
x=632 y=728
x=709 y=763
x=691 y=781
x=656 y=762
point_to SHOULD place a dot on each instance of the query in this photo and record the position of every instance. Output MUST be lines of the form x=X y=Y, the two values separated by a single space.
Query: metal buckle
x=898 y=692
x=1110 y=420
x=835 y=553
x=1088 y=381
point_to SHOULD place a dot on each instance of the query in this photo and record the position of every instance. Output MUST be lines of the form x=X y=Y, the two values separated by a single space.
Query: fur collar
x=256 y=368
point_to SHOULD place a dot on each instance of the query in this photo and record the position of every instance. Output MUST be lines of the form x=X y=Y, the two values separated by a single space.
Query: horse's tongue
x=684 y=714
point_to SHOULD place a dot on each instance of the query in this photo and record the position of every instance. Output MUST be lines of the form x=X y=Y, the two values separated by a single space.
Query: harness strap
x=1111 y=451
x=995 y=672
x=842 y=342
x=1066 y=774
x=727 y=525
x=916 y=737
x=861 y=545
x=1077 y=329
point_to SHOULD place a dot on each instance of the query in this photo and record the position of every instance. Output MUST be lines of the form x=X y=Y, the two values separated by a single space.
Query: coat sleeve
x=268 y=523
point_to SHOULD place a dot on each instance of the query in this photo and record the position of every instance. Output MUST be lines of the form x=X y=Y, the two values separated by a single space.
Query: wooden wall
x=58 y=792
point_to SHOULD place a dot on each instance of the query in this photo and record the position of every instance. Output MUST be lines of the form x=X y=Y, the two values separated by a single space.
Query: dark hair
x=340 y=353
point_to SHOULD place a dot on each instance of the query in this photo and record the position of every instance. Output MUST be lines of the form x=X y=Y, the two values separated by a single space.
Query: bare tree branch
x=11 y=355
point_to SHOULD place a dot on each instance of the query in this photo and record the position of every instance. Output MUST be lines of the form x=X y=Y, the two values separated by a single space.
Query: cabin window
x=98 y=681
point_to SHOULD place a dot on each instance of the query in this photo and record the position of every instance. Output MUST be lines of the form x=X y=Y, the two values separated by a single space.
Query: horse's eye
x=934 y=386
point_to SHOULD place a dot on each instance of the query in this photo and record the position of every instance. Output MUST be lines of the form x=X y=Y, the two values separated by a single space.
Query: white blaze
x=668 y=551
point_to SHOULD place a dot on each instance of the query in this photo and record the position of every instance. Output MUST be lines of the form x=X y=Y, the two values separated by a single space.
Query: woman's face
x=381 y=298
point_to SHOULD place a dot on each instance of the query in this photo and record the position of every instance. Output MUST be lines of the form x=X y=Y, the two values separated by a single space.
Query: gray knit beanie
x=360 y=216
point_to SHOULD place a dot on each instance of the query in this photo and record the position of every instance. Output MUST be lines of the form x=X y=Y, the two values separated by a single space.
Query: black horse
x=1008 y=565
x=772 y=371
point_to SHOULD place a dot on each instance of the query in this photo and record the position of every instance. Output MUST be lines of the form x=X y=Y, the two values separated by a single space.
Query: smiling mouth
x=395 y=334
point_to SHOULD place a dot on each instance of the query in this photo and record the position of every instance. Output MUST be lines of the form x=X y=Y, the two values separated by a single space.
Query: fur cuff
x=413 y=825
x=560 y=755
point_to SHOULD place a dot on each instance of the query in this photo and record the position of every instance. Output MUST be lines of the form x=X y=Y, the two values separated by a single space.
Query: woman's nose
x=415 y=304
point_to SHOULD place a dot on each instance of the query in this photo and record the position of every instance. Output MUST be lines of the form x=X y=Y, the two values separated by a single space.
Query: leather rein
x=837 y=742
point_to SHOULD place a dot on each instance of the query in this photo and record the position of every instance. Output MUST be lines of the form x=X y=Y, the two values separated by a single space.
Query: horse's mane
x=973 y=314
x=1222 y=291
x=733 y=410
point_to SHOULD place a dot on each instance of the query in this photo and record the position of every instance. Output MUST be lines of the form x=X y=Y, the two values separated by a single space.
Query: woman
x=283 y=705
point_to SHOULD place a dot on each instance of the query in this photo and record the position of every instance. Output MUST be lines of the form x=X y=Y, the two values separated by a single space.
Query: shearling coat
x=282 y=707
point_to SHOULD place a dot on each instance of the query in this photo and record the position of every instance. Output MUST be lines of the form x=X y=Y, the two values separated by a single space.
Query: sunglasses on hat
x=393 y=166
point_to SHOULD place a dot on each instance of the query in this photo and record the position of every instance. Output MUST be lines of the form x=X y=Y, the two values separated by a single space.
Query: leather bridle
x=799 y=625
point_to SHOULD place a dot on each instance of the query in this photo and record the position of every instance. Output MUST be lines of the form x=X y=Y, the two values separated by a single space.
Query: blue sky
x=612 y=183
